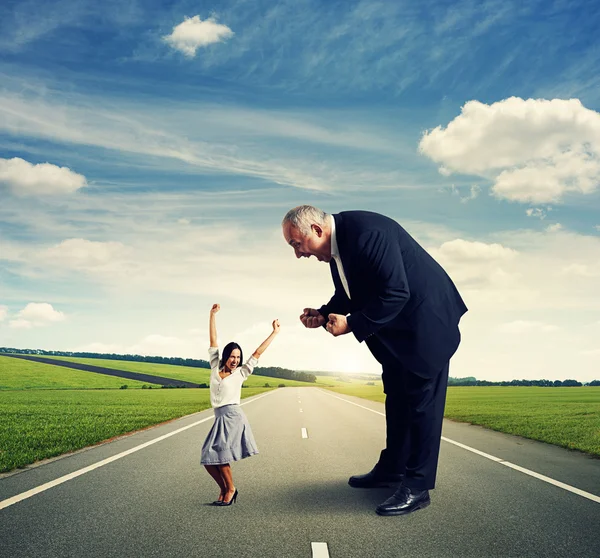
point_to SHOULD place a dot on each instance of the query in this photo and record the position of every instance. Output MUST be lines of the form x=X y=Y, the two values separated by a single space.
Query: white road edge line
x=304 y=433
x=43 y=487
x=319 y=550
x=539 y=476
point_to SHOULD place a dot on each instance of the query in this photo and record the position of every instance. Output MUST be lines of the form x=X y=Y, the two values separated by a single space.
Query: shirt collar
x=334 y=247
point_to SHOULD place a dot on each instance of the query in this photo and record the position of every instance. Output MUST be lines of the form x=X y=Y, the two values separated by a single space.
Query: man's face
x=316 y=244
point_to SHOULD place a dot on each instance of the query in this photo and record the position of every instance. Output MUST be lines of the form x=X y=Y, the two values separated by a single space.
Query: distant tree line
x=273 y=372
x=276 y=372
x=198 y=363
x=471 y=381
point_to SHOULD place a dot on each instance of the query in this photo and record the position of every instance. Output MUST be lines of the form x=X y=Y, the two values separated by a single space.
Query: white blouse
x=227 y=390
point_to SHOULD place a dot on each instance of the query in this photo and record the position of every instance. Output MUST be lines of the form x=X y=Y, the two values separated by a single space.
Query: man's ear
x=317 y=230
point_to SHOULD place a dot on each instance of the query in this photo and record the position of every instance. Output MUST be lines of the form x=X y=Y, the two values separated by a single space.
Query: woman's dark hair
x=227 y=353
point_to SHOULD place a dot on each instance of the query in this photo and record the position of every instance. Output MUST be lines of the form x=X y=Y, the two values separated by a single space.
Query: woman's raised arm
x=212 y=326
x=263 y=346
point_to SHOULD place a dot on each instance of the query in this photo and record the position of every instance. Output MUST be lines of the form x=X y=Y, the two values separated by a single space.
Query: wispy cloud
x=360 y=45
x=25 y=23
x=211 y=139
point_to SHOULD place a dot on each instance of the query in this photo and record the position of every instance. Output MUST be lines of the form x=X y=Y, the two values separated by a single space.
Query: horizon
x=150 y=150
x=368 y=375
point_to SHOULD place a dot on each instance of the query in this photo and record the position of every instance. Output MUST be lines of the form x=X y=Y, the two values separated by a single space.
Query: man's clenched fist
x=337 y=325
x=311 y=318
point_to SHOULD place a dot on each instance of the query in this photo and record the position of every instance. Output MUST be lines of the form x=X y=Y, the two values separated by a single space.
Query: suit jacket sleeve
x=381 y=264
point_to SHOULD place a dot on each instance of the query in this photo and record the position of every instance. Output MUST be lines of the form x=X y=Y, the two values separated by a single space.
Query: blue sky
x=148 y=151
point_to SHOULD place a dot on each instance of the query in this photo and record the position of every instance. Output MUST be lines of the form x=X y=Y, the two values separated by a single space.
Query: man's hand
x=337 y=325
x=311 y=318
x=215 y=308
x=276 y=326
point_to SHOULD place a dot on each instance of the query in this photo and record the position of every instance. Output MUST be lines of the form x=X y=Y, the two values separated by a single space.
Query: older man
x=391 y=294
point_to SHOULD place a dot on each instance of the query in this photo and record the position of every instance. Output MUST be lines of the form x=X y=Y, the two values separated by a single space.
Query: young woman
x=230 y=438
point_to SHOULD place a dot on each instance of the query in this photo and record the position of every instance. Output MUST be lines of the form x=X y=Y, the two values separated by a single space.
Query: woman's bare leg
x=215 y=472
x=228 y=481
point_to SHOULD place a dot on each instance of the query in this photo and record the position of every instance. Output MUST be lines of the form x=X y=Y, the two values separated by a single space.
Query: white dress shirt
x=227 y=390
x=335 y=254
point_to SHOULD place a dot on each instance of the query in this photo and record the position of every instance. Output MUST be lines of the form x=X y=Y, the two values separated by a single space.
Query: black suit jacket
x=402 y=303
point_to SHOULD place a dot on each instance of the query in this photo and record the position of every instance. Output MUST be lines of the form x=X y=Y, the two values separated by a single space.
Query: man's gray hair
x=303 y=216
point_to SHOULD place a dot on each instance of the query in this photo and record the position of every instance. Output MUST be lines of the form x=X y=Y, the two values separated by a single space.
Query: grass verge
x=568 y=417
x=36 y=425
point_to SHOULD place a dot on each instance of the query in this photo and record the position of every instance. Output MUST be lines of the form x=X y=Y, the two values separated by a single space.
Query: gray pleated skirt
x=230 y=438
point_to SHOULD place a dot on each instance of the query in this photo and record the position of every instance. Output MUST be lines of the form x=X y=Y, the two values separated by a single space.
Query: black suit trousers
x=414 y=411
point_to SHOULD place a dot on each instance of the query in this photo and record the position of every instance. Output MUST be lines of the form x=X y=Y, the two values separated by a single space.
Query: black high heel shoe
x=233 y=499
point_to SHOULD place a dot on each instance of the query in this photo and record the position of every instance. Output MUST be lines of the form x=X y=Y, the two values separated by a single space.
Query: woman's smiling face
x=234 y=360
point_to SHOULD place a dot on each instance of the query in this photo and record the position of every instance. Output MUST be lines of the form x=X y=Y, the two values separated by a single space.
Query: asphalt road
x=154 y=501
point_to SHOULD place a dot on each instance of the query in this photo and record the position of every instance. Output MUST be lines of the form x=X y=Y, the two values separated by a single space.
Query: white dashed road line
x=304 y=433
x=319 y=550
x=498 y=460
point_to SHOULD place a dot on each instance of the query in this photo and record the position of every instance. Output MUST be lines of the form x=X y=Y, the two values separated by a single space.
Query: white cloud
x=20 y=324
x=3 y=312
x=538 y=212
x=554 y=228
x=465 y=250
x=24 y=178
x=583 y=270
x=86 y=255
x=551 y=270
x=193 y=33
x=534 y=150
x=474 y=192
x=36 y=314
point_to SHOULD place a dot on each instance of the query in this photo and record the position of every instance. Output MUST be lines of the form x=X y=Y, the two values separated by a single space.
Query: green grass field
x=568 y=417
x=38 y=424
x=25 y=374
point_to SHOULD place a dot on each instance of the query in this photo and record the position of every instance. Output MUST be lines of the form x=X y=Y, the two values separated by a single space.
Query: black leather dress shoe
x=375 y=478
x=404 y=501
